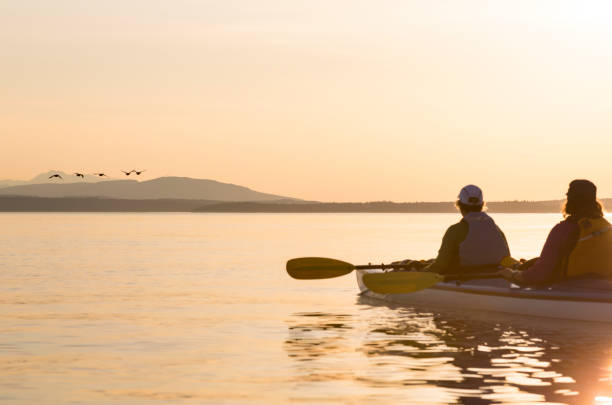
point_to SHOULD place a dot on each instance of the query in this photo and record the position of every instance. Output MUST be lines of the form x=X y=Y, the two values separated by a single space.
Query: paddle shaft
x=380 y=266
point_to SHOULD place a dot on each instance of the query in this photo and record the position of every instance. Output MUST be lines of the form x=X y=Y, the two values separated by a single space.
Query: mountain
x=43 y=178
x=68 y=178
x=93 y=204
x=160 y=188
x=10 y=183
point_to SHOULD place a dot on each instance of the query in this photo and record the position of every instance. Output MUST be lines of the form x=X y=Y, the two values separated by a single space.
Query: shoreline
x=99 y=204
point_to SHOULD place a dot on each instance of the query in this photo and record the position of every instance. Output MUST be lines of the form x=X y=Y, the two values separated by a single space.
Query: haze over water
x=197 y=308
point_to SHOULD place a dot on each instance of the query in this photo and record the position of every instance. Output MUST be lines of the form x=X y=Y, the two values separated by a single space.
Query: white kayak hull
x=500 y=296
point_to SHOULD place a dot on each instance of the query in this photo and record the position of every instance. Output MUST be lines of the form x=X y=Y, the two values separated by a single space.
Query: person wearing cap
x=579 y=245
x=472 y=243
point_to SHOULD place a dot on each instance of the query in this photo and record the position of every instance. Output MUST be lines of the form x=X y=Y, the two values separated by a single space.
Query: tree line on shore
x=93 y=204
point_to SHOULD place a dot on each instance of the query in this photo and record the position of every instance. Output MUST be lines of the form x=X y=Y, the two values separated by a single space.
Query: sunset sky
x=325 y=100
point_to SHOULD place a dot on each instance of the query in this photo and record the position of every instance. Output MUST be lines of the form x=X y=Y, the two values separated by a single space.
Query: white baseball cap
x=471 y=195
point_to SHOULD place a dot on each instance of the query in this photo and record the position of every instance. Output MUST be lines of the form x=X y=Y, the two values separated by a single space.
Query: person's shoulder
x=459 y=228
x=567 y=225
x=459 y=225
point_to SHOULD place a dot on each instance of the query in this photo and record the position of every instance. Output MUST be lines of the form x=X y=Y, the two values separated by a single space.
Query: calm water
x=197 y=308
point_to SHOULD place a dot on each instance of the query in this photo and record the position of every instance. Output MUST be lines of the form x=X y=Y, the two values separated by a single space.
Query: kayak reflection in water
x=472 y=244
x=577 y=247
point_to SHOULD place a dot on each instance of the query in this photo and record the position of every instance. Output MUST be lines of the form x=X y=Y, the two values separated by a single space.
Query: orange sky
x=326 y=100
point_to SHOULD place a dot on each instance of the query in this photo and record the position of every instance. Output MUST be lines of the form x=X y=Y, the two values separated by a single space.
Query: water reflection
x=318 y=334
x=329 y=352
x=505 y=359
x=418 y=356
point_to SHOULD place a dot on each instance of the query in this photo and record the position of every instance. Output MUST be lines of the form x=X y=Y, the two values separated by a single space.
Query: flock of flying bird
x=81 y=175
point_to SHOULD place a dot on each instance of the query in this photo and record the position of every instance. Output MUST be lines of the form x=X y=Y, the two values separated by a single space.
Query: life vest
x=593 y=251
x=484 y=244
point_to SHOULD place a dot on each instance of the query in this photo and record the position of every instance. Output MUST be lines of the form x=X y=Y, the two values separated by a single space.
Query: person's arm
x=505 y=240
x=559 y=243
x=448 y=255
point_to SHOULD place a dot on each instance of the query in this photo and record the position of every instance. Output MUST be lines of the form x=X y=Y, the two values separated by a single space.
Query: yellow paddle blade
x=310 y=268
x=400 y=282
x=508 y=261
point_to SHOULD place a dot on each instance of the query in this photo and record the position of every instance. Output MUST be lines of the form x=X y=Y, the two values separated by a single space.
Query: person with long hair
x=474 y=243
x=578 y=246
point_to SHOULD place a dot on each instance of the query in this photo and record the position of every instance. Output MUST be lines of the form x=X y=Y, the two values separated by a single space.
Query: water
x=197 y=308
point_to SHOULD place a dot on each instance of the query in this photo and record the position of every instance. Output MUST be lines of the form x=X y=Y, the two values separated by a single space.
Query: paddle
x=405 y=282
x=312 y=268
x=399 y=282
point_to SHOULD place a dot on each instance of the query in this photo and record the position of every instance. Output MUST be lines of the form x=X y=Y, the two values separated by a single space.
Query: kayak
x=583 y=300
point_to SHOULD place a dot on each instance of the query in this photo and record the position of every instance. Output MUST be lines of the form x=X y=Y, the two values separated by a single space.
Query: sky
x=335 y=100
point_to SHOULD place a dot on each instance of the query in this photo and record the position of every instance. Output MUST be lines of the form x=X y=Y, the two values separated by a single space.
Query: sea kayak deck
x=582 y=300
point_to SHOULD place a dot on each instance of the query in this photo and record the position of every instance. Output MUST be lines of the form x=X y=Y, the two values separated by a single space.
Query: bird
x=56 y=175
x=126 y=173
x=100 y=174
x=138 y=172
x=80 y=175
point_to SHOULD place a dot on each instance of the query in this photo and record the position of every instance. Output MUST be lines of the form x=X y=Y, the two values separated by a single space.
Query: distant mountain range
x=183 y=194
x=161 y=188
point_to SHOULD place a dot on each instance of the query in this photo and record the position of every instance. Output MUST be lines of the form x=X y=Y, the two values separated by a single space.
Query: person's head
x=582 y=201
x=470 y=199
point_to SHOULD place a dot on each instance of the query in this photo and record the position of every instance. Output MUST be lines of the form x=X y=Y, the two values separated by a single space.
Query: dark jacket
x=448 y=260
